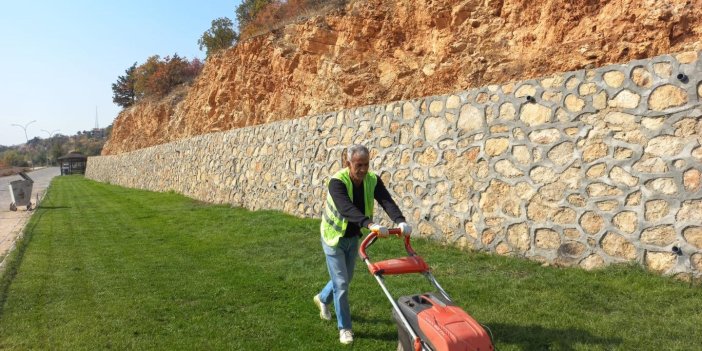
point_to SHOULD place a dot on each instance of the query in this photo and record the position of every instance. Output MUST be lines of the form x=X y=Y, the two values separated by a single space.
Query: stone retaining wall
x=584 y=168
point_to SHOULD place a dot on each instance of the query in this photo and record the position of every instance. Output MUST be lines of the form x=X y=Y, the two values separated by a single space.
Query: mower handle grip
x=370 y=239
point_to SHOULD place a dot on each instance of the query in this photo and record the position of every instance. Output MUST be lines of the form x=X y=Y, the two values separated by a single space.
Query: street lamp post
x=51 y=135
x=24 y=127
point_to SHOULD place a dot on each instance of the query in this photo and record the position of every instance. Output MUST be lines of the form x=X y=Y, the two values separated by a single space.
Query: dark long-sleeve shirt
x=354 y=211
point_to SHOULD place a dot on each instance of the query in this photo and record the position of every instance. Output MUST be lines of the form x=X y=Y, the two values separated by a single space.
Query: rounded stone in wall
x=547 y=239
x=573 y=103
x=591 y=222
x=576 y=200
x=667 y=96
x=564 y=216
x=648 y=164
x=496 y=146
x=518 y=237
x=572 y=83
x=470 y=230
x=653 y=123
x=587 y=89
x=696 y=261
x=691 y=180
x=453 y=102
x=596 y=171
x=470 y=118
x=524 y=90
x=699 y=90
x=542 y=175
x=409 y=111
x=662 y=235
x=660 y=262
x=616 y=245
x=572 y=249
x=464 y=244
x=625 y=99
x=626 y=221
x=594 y=152
x=633 y=199
x=623 y=153
x=687 y=57
x=693 y=235
x=507 y=111
x=686 y=127
x=614 y=79
x=503 y=249
x=435 y=128
x=656 y=209
x=448 y=223
x=521 y=154
x=619 y=175
x=602 y=189
x=545 y=136
x=663 y=185
x=507 y=169
x=663 y=69
x=428 y=157
x=436 y=107
x=641 y=77
x=665 y=145
x=562 y=153
x=553 y=191
x=591 y=262
x=571 y=233
x=488 y=236
x=553 y=96
x=535 y=114
x=607 y=205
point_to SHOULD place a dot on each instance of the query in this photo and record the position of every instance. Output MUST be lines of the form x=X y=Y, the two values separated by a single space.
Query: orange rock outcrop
x=376 y=51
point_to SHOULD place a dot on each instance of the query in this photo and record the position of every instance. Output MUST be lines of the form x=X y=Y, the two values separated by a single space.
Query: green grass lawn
x=104 y=267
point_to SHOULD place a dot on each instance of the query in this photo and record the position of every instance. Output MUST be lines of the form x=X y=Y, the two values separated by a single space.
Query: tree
x=123 y=90
x=219 y=37
x=247 y=11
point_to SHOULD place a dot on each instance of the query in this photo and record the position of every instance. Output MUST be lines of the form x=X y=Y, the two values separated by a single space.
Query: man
x=347 y=215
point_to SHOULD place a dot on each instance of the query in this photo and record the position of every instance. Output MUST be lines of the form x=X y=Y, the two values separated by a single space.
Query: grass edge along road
x=106 y=267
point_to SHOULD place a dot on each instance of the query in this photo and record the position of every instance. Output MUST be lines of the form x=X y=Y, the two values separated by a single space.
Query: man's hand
x=381 y=230
x=405 y=228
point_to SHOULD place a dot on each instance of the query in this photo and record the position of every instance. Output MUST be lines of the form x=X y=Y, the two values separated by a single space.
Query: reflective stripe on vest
x=333 y=225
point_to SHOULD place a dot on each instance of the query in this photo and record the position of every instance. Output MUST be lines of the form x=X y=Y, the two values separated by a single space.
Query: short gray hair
x=356 y=149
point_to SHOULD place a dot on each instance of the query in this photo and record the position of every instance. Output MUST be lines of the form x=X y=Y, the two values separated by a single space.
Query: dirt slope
x=376 y=51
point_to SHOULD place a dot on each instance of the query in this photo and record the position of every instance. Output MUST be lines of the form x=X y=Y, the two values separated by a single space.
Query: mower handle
x=370 y=239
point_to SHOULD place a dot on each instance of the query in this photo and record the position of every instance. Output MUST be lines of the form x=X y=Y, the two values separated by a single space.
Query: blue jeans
x=341 y=261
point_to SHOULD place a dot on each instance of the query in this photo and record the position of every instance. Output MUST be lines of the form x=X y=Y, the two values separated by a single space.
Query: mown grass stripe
x=105 y=267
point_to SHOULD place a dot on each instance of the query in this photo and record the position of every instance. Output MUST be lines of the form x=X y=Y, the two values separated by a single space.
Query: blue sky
x=59 y=58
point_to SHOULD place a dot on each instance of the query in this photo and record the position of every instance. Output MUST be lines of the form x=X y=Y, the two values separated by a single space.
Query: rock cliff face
x=376 y=51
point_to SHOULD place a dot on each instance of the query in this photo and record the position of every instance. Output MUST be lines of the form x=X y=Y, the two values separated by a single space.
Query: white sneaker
x=324 y=312
x=345 y=336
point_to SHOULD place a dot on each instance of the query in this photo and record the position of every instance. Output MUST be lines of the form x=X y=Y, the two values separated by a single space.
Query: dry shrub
x=279 y=13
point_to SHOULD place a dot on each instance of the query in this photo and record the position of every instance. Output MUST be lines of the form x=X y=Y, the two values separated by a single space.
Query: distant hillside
x=43 y=152
x=375 y=51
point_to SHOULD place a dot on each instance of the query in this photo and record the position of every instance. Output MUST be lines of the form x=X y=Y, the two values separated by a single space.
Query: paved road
x=12 y=223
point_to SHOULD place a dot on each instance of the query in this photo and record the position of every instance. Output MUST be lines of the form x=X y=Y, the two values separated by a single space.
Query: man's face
x=358 y=166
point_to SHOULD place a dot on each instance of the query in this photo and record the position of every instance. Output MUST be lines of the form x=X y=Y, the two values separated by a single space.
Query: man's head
x=357 y=159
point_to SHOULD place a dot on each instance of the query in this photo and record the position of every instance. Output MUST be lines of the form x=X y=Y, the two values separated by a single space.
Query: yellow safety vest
x=333 y=224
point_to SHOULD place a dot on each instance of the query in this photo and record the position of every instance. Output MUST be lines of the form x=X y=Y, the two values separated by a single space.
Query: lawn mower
x=429 y=321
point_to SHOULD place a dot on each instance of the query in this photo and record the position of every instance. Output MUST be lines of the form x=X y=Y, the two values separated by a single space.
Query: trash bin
x=21 y=192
